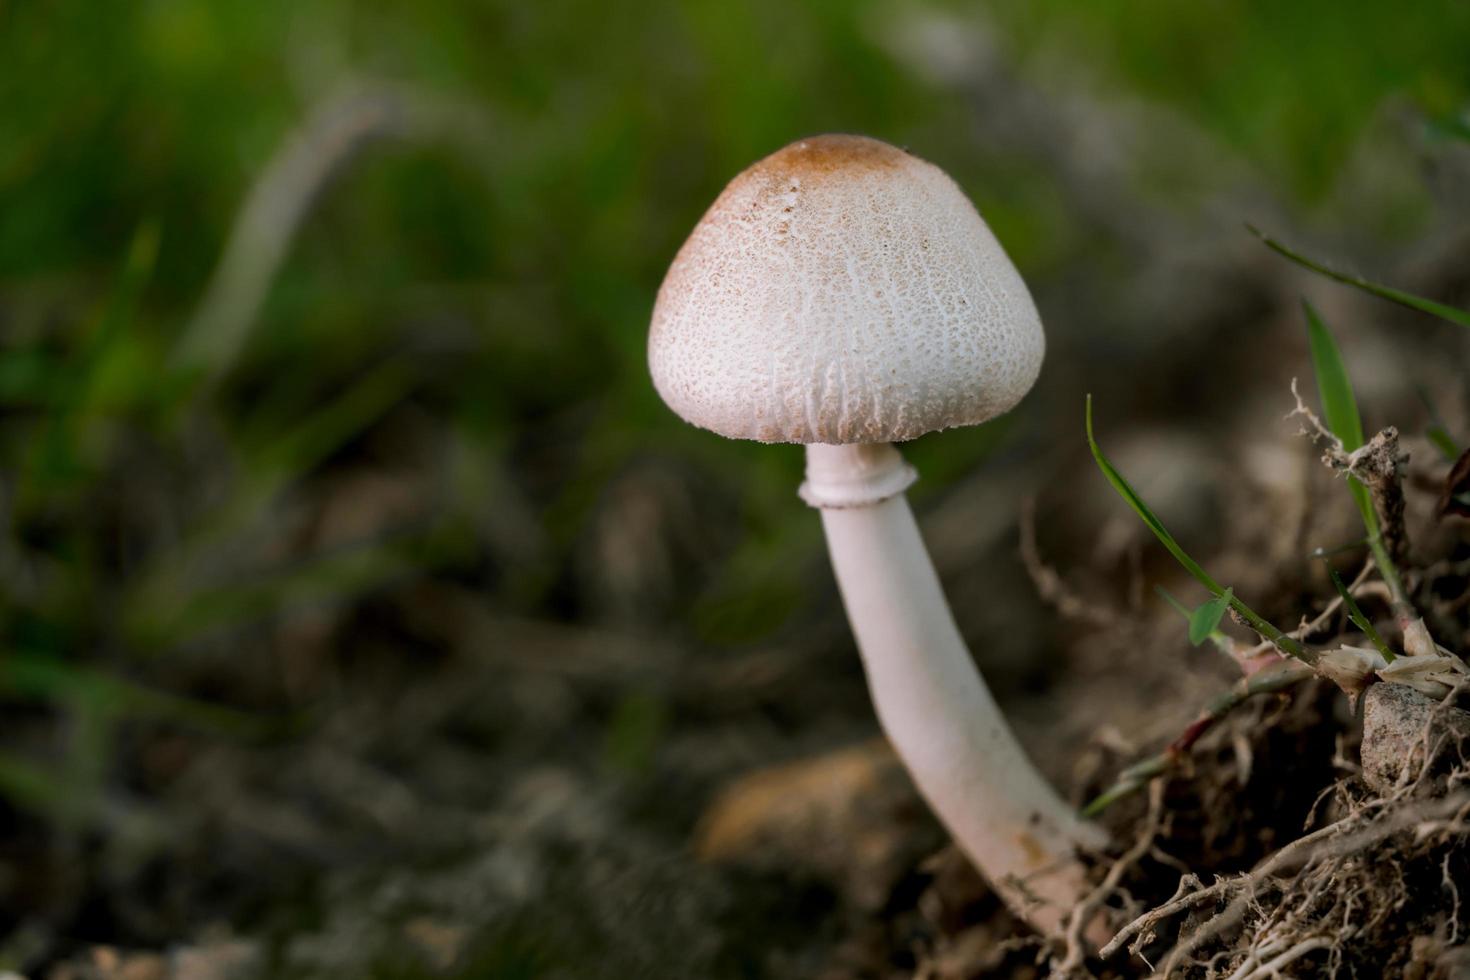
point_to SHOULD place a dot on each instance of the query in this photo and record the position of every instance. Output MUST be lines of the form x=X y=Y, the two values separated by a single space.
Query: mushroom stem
x=930 y=698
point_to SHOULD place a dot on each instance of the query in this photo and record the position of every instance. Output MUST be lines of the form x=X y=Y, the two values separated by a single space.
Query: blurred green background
x=307 y=304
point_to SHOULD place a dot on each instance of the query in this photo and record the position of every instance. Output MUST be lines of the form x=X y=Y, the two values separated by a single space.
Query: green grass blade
x=1141 y=509
x=1215 y=636
x=1205 y=620
x=1341 y=411
x=1441 y=310
x=339 y=576
x=1355 y=613
x=58 y=453
x=40 y=677
x=1257 y=622
x=1339 y=407
x=1437 y=432
x=36 y=788
x=1443 y=441
x=1177 y=606
x=167 y=581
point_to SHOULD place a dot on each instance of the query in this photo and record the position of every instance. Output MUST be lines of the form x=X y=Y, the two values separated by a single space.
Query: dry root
x=1376 y=889
x=1363 y=895
x=1378 y=465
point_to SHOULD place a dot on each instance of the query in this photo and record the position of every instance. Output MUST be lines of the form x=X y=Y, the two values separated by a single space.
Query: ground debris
x=219 y=957
x=850 y=817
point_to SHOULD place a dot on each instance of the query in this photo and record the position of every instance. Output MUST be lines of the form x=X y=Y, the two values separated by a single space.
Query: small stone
x=1395 y=719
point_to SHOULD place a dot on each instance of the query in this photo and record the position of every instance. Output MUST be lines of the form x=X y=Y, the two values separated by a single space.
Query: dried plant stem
x=1050 y=585
x=1138 y=775
x=1352 y=834
x=332 y=135
x=1378 y=466
x=1087 y=910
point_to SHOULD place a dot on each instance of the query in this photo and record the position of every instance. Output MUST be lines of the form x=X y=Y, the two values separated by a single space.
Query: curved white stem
x=936 y=710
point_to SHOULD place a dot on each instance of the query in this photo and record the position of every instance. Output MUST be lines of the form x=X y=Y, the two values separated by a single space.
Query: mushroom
x=845 y=295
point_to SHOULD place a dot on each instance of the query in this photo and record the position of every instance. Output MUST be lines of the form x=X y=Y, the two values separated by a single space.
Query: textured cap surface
x=841 y=291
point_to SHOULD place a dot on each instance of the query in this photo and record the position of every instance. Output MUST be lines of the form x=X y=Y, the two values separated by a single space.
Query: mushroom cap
x=842 y=291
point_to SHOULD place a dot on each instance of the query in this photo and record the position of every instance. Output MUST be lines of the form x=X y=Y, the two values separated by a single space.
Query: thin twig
x=1448 y=881
x=331 y=136
x=1049 y=585
x=1086 y=910
x=1138 y=775
x=1378 y=465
